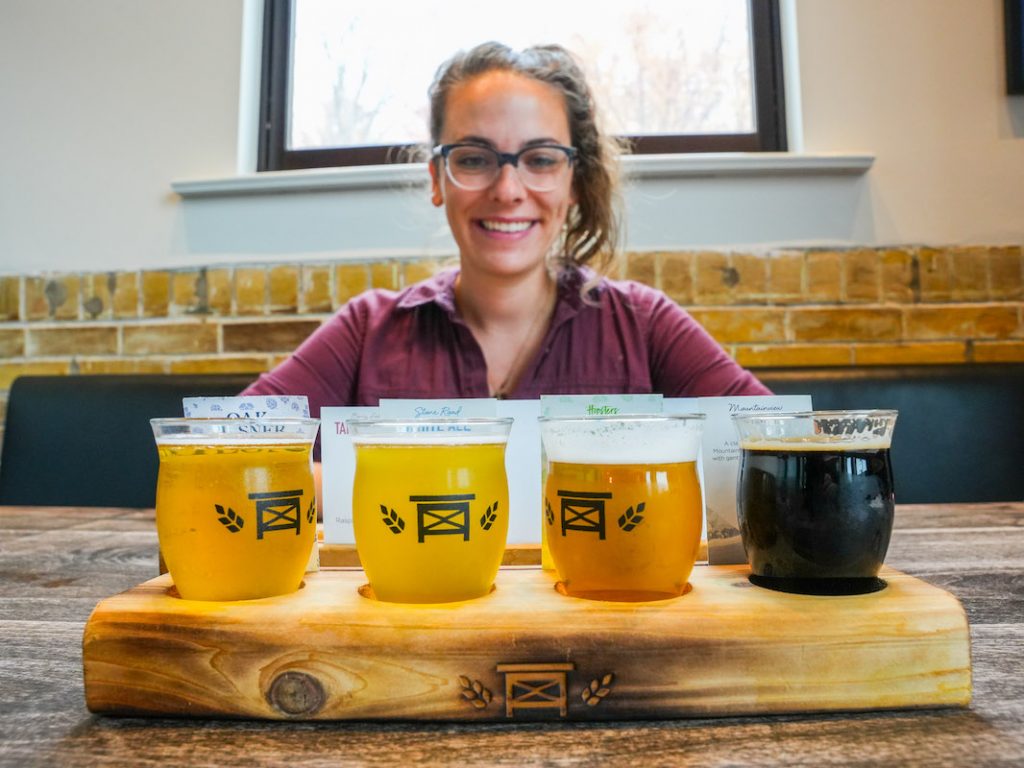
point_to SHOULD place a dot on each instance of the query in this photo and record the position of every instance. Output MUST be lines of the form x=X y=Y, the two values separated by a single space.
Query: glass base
x=825 y=586
x=619 y=595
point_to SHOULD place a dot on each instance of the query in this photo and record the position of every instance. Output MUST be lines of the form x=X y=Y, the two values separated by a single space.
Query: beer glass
x=430 y=506
x=235 y=505
x=622 y=504
x=815 y=499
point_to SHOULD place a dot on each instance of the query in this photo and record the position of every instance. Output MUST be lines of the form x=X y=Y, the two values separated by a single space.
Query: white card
x=720 y=458
x=248 y=407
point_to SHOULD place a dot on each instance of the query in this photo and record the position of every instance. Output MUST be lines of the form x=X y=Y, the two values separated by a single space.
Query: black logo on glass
x=585 y=511
x=440 y=515
x=275 y=511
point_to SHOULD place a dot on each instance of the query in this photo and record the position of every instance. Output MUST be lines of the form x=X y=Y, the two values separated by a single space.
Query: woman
x=527 y=181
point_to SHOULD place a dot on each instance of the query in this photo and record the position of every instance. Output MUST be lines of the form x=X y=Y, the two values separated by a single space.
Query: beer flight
x=621 y=504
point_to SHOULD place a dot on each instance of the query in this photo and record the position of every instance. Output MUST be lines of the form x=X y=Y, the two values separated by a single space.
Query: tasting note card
x=720 y=454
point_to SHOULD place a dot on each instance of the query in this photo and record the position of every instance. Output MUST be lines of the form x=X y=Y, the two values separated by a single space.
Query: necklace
x=526 y=346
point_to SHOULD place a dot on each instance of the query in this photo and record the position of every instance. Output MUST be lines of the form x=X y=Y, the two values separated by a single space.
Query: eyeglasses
x=475 y=166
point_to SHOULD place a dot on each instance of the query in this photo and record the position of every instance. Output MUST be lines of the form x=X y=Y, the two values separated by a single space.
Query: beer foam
x=629 y=442
x=818 y=443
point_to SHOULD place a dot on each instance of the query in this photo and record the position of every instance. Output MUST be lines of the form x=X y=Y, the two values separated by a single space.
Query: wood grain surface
x=57 y=564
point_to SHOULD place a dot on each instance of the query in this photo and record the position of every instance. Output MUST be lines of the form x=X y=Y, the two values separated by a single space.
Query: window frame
x=274 y=155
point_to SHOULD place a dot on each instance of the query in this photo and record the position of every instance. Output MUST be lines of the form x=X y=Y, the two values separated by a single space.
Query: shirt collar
x=440 y=290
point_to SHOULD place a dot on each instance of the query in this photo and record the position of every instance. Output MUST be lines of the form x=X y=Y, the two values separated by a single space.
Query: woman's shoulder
x=599 y=290
x=438 y=288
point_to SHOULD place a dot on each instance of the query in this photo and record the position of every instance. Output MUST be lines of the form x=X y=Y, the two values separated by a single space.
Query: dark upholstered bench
x=960 y=433
x=86 y=440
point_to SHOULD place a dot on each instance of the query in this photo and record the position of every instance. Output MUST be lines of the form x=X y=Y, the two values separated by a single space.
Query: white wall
x=106 y=102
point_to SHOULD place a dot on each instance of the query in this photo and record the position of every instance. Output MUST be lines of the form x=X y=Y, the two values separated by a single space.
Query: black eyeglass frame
x=504 y=158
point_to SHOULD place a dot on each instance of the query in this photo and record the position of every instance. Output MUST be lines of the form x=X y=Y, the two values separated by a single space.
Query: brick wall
x=864 y=306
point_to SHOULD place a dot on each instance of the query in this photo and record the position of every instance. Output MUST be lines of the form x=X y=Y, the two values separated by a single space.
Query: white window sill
x=635 y=167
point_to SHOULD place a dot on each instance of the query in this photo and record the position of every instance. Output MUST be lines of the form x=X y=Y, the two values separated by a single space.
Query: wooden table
x=56 y=564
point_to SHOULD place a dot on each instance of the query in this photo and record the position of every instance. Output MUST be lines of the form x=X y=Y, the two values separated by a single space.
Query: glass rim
x=827 y=414
x=641 y=417
x=474 y=420
x=212 y=421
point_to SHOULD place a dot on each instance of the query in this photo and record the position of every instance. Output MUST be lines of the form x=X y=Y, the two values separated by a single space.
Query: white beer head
x=662 y=439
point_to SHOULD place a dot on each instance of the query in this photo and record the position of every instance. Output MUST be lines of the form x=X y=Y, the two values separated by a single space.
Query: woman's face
x=504 y=229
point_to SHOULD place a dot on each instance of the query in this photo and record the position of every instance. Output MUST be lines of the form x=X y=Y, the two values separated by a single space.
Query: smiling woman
x=524 y=314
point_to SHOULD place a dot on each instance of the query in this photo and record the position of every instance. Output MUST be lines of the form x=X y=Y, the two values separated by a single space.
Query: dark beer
x=815 y=517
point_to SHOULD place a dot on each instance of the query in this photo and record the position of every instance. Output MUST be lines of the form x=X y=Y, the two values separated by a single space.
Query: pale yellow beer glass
x=235 y=505
x=622 y=504
x=430 y=506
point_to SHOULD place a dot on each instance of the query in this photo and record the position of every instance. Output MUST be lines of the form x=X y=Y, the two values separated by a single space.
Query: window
x=345 y=83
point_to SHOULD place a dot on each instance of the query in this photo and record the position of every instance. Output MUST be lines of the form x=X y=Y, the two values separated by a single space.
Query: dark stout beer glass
x=815 y=499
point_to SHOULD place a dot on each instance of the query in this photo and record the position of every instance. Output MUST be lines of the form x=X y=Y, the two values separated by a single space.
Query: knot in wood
x=296 y=694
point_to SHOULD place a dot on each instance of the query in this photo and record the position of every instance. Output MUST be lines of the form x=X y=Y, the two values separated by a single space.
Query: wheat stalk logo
x=594 y=693
x=630 y=519
x=549 y=513
x=488 y=517
x=474 y=692
x=229 y=518
x=394 y=523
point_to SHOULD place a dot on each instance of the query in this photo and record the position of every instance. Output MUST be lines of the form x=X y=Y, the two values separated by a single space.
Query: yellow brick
x=218 y=291
x=962 y=321
x=125 y=299
x=351 y=280
x=998 y=352
x=384 y=274
x=785 y=277
x=743 y=325
x=10 y=371
x=714 y=278
x=55 y=298
x=861 y=275
x=55 y=342
x=96 y=297
x=185 y=293
x=177 y=339
x=156 y=293
x=250 y=291
x=121 y=365
x=642 y=267
x=12 y=343
x=419 y=270
x=316 y=289
x=793 y=355
x=10 y=288
x=752 y=277
x=1006 y=273
x=677 y=276
x=844 y=324
x=934 y=274
x=824 y=276
x=253 y=365
x=968 y=278
x=909 y=353
x=899 y=283
x=284 y=289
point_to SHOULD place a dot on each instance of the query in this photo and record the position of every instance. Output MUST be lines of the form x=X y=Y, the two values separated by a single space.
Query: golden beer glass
x=430 y=506
x=235 y=505
x=622 y=504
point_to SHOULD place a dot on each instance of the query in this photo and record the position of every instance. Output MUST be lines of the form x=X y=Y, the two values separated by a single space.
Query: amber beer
x=235 y=505
x=622 y=504
x=815 y=499
x=430 y=506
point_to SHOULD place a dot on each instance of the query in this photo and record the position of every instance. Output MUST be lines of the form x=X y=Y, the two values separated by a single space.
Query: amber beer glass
x=622 y=504
x=235 y=505
x=430 y=506
x=815 y=499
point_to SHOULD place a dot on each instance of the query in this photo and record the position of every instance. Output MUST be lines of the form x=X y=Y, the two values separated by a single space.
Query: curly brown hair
x=592 y=227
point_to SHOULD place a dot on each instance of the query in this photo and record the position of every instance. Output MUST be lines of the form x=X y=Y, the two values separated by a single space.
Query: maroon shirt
x=414 y=344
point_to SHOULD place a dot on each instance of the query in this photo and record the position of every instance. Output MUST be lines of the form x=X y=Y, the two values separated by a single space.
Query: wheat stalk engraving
x=474 y=692
x=594 y=693
x=394 y=523
x=229 y=518
x=488 y=517
x=630 y=519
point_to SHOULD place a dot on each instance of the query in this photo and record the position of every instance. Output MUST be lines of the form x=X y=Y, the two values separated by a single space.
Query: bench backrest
x=86 y=440
x=960 y=433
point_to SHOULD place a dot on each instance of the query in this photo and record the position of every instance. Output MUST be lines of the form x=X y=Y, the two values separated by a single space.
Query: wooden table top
x=57 y=563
